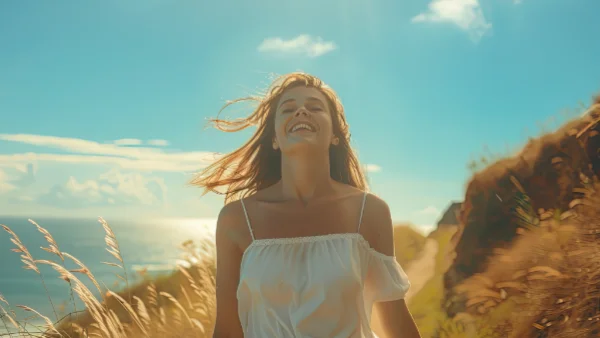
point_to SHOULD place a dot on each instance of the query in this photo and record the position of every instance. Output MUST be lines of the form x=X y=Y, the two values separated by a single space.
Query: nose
x=301 y=111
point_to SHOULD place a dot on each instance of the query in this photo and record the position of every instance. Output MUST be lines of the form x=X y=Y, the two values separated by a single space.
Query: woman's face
x=303 y=120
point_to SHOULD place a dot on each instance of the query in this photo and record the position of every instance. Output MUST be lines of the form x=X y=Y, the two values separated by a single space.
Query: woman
x=302 y=249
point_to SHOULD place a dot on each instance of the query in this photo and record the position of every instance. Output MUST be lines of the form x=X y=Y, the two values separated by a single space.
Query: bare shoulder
x=231 y=223
x=230 y=211
x=377 y=208
x=377 y=226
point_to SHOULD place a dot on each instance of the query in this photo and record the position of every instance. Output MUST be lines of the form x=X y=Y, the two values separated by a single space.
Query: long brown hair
x=256 y=165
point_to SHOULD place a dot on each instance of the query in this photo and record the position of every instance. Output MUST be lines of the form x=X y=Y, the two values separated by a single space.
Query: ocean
x=144 y=244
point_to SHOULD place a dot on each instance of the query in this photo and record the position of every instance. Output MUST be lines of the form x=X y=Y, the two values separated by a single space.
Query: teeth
x=301 y=126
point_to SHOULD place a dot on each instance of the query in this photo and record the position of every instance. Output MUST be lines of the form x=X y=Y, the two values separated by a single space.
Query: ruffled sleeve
x=386 y=279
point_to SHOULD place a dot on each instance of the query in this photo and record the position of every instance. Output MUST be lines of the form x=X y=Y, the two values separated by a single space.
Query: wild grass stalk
x=7 y=315
x=113 y=248
x=54 y=249
x=30 y=263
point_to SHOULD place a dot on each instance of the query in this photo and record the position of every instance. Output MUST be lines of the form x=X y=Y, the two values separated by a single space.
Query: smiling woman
x=257 y=163
x=303 y=250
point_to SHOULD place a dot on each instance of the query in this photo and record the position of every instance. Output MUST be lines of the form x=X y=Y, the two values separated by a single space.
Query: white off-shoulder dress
x=315 y=286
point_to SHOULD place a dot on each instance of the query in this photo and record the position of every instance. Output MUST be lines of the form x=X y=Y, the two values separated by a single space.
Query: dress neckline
x=304 y=239
x=316 y=238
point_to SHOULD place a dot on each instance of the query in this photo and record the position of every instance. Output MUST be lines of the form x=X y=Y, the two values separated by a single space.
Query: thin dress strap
x=247 y=219
x=362 y=209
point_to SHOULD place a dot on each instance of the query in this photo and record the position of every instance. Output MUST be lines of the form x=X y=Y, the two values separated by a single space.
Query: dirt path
x=422 y=269
x=419 y=272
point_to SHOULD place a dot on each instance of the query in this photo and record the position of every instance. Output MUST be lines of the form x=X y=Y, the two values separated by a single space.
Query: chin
x=305 y=146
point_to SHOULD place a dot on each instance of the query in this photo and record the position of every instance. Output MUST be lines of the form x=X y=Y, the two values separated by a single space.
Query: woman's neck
x=304 y=177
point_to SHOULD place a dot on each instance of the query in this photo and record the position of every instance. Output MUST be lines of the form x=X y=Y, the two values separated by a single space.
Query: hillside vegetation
x=527 y=252
x=545 y=175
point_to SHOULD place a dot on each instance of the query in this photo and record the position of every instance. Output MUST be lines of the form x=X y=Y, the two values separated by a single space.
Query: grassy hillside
x=547 y=284
x=546 y=174
x=525 y=259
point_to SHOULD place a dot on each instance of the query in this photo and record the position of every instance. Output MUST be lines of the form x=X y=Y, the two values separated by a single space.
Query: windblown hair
x=256 y=165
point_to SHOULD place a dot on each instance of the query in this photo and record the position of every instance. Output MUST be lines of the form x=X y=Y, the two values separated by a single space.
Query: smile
x=302 y=125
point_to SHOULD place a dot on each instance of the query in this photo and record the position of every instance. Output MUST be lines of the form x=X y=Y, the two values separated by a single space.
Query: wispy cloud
x=158 y=143
x=429 y=210
x=372 y=168
x=20 y=176
x=466 y=14
x=110 y=188
x=302 y=45
x=5 y=186
x=138 y=142
x=85 y=151
x=128 y=142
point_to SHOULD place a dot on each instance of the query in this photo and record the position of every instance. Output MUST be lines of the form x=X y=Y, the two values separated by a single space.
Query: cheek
x=279 y=127
x=327 y=125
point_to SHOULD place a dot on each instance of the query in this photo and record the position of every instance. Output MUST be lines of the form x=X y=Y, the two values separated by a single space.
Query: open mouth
x=302 y=126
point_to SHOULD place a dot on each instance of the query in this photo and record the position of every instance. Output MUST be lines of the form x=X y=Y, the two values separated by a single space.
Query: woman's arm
x=227 y=324
x=395 y=318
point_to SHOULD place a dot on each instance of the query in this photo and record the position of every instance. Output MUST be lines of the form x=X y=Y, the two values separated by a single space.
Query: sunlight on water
x=204 y=225
x=169 y=234
x=180 y=229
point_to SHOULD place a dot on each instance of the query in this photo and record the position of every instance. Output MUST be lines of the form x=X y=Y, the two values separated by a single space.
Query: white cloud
x=5 y=186
x=158 y=143
x=430 y=210
x=80 y=146
x=139 y=158
x=169 y=164
x=128 y=142
x=372 y=168
x=110 y=188
x=302 y=44
x=143 y=189
x=466 y=14
x=22 y=176
x=138 y=142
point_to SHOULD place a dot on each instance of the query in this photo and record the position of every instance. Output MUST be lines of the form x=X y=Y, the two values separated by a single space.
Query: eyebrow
x=312 y=98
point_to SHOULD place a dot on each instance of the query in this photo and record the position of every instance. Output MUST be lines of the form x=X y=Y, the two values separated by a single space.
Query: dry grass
x=527 y=263
x=548 y=170
x=548 y=283
x=178 y=305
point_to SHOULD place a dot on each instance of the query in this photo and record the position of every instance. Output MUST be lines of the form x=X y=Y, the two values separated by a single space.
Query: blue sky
x=103 y=103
